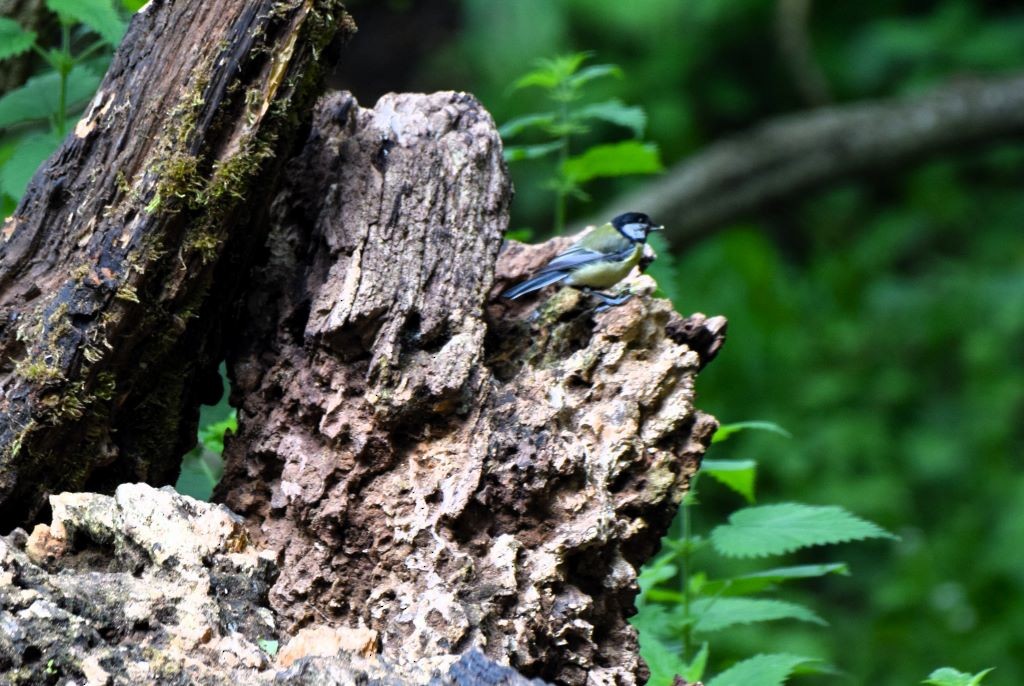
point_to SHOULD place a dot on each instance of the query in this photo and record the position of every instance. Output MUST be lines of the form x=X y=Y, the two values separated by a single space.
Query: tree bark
x=791 y=156
x=446 y=469
x=428 y=464
x=118 y=264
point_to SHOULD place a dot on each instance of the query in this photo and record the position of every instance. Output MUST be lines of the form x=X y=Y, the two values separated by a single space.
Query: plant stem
x=684 y=569
x=563 y=155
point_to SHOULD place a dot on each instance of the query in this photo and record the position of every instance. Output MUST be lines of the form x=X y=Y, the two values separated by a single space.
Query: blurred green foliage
x=35 y=117
x=881 y=321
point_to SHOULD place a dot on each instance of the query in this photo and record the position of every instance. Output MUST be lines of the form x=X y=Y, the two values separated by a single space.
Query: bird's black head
x=635 y=225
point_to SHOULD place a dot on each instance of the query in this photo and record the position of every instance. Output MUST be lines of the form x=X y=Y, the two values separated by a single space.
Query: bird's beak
x=658 y=228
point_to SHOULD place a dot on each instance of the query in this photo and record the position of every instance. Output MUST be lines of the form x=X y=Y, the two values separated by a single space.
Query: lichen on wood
x=443 y=467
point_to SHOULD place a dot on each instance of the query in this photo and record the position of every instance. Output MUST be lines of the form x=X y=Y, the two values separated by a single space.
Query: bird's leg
x=609 y=301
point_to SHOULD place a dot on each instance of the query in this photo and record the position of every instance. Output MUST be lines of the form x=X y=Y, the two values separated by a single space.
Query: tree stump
x=426 y=463
x=435 y=464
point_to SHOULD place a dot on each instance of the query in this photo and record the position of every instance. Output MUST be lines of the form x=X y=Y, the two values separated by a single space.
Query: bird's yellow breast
x=605 y=274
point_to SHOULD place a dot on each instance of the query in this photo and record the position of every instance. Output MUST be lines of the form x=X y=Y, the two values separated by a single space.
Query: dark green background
x=881 y=320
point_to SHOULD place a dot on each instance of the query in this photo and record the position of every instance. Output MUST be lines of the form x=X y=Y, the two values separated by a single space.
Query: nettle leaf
x=514 y=127
x=25 y=158
x=947 y=676
x=615 y=111
x=14 y=40
x=39 y=97
x=739 y=475
x=665 y=662
x=760 y=581
x=652 y=575
x=552 y=72
x=726 y=430
x=98 y=15
x=613 y=159
x=515 y=153
x=777 y=529
x=715 y=614
x=761 y=670
x=594 y=71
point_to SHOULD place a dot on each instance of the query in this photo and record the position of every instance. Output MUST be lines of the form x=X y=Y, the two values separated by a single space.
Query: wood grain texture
x=117 y=264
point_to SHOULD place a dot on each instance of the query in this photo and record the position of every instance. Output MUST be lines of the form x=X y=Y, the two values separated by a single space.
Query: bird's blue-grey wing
x=573 y=258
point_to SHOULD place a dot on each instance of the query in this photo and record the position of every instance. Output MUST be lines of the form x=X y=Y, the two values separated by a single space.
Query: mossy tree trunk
x=118 y=265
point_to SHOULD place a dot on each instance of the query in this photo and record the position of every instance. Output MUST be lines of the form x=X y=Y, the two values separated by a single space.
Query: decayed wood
x=116 y=265
x=444 y=469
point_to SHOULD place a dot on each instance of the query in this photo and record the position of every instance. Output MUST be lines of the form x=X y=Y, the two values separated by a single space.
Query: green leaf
x=98 y=15
x=947 y=676
x=27 y=155
x=738 y=475
x=777 y=529
x=715 y=614
x=614 y=111
x=652 y=575
x=514 y=127
x=761 y=670
x=595 y=71
x=515 y=153
x=694 y=671
x=613 y=159
x=748 y=584
x=726 y=430
x=134 y=5
x=550 y=73
x=14 y=40
x=212 y=435
x=39 y=97
x=665 y=662
x=201 y=469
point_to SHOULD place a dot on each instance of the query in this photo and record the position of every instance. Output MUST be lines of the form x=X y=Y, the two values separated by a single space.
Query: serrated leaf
x=715 y=614
x=761 y=670
x=653 y=575
x=748 y=584
x=614 y=111
x=777 y=529
x=39 y=97
x=947 y=676
x=726 y=430
x=515 y=153
x=739 y=475
x=613 y=159
x=14 y=40
x=594 y=71
x=98 y=15
x=28 y=153
x=665 y=662
x=514 y=127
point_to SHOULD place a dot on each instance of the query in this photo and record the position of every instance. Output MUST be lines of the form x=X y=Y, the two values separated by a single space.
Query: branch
x=792 y=155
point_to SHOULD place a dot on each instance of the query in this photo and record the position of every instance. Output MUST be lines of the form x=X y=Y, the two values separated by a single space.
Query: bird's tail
x=534 y=284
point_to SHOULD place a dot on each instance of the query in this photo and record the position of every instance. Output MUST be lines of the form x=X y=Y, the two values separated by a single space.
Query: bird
x=598 y=260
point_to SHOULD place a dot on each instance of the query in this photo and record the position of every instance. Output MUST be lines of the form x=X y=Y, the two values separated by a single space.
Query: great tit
x=600 y=259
